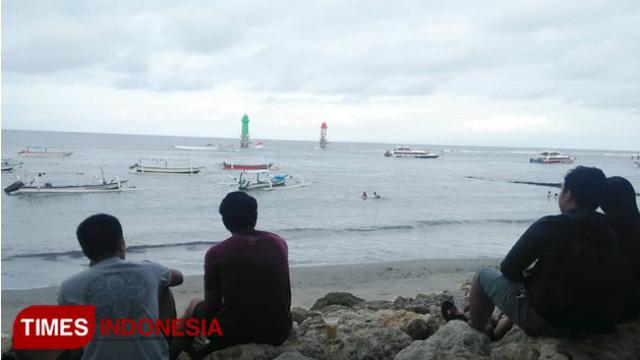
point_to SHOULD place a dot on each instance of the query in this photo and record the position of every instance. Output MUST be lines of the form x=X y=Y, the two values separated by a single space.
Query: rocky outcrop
x=455 y=340
x=336 y=298
x=623 y=344
x=413 y=329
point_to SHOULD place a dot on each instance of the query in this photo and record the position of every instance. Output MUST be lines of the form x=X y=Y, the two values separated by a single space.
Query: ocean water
x=458 y=206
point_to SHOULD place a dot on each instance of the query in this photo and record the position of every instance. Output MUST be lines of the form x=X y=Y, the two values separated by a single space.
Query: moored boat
x=43 y=151
x=231 y=166
x=161 y=166
x=8 y=165
x=37 y=187
x=553 y=157
x=407 y=152
x=262 y=180
x=207 y=147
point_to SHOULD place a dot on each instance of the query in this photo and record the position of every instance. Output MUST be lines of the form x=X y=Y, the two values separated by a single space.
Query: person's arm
x=212 y=295
x=526 y=250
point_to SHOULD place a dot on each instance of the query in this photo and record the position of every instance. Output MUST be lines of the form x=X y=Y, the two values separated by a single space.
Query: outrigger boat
x=231 y=166
x=552 y=157
x=43 y=151
x=265 y=181
x=161 y=166
x=207 y=147
x=36 y=187
x=407 y=152
x=8 y=165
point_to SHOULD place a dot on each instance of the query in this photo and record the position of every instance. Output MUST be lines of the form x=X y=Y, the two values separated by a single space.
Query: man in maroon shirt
x=246 y=281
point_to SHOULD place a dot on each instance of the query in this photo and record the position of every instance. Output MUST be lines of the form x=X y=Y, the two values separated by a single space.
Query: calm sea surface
x=429 y=209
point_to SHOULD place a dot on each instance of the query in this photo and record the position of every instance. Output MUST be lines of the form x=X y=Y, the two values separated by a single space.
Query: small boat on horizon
x=162 y=166
x=43 y=151
x=552 y=157
x=231 y=166
x=406 y=152
x=208 y=147
x=8 y=165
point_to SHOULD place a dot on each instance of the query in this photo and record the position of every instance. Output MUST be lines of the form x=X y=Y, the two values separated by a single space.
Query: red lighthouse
x=323 y=135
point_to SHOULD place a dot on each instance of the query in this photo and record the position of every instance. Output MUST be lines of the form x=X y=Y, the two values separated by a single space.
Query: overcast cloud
x=519 y=73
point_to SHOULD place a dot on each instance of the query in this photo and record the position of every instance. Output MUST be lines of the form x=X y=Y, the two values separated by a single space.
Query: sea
x=462 y=205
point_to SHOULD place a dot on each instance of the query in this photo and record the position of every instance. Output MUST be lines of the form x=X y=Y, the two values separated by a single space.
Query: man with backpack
x=565 y=275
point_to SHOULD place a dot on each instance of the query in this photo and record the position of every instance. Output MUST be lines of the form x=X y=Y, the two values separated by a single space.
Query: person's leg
x=480 y=306
x=489 y=289
x=503 y=325
x=166 y=304
x=183 y=343
x=166 y=308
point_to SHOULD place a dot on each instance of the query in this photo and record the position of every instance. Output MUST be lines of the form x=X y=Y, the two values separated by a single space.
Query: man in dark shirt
x=246 y=281
x=529 y=288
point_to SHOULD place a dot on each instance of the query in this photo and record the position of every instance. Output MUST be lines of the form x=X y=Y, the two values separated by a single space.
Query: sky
x=496 y=73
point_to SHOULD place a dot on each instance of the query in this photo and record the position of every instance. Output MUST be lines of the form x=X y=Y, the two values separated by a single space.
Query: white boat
x=37 y=187
x=43 y=151
x=552 y=157
x=207 y=147
x=161 y=166
x=407 y=152
x=8 y=165
x=265 y=181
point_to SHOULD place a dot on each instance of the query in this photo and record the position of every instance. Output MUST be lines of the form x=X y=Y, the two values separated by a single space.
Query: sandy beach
x=380 y=281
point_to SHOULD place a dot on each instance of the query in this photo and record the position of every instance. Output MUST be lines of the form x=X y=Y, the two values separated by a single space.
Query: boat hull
x=45 y=154
x=71 y=189
x=196 y=148
x=253 y=185
x=231 y=166
x=140 y=169
x=552 y=161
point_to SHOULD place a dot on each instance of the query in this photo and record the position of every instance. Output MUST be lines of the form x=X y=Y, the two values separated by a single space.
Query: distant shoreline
x=378 y=281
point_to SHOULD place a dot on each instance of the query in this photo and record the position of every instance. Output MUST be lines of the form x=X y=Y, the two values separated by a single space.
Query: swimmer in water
x=364 y=195
x=375 y=195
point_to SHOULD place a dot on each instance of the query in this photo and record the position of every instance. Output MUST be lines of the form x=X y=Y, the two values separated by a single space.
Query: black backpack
x=592 y=281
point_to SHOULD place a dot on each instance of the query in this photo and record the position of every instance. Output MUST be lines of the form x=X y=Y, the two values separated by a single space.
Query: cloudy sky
x=508 y=73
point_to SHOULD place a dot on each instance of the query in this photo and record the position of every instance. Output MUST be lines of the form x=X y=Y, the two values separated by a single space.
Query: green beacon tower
x=244 y=138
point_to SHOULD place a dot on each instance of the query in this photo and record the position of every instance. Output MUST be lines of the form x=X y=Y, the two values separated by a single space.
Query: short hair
x=99 y=235
x=239 y=211
x=620 y=198
x=588 y=186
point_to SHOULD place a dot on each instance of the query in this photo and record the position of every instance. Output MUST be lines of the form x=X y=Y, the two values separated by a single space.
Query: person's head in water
x=100 y=237
x=583 y=187
x=620 y=199
x=239 y=212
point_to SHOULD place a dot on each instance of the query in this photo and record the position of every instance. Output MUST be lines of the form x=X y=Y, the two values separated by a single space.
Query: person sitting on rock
x=246 y=283
x=564 y=275
x=623 y=216
x=120 y=289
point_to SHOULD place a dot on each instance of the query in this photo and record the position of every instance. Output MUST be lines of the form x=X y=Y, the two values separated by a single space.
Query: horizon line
x=352 y=142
